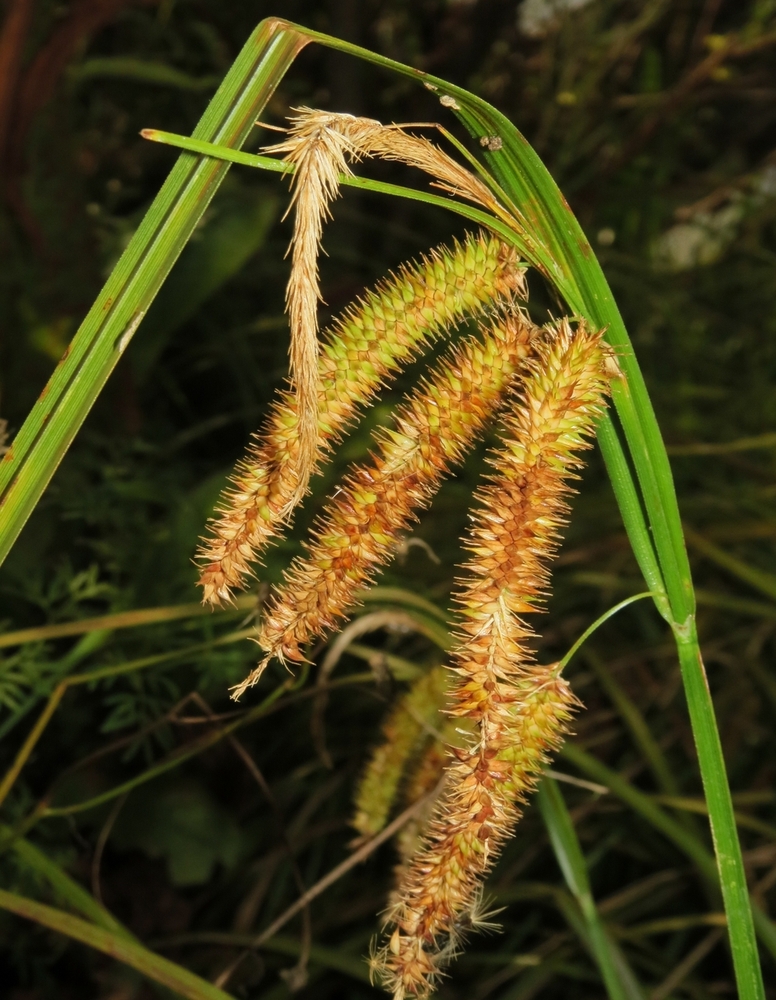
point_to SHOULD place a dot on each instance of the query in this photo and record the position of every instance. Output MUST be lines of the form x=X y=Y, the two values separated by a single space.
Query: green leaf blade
x=102 y=338
x=620 y=981
x=117 y=945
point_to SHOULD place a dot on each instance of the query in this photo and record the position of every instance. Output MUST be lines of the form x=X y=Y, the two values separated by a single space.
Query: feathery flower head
x=319 y=145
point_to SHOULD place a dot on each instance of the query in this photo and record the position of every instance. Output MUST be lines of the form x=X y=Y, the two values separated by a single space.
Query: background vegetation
x=657 y=120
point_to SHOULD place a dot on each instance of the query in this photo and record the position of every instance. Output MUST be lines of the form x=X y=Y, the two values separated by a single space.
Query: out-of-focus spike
x=409 y=724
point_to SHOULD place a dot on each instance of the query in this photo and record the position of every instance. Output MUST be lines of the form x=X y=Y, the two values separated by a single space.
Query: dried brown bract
x=318 y=153
x=321 y=145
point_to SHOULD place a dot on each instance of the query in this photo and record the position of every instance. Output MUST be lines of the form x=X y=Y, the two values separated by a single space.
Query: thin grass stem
x=619 y=979
x=591 y=629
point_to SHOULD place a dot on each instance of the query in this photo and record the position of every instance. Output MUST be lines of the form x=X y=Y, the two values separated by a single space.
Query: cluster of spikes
x=471 y=737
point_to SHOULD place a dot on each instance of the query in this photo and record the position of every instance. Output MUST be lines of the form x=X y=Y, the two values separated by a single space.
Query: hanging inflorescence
x=365 y=348
x=504 y=713
x=518 y=710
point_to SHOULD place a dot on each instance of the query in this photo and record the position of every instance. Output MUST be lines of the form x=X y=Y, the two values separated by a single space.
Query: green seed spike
x=370 y=343
x=411 y=722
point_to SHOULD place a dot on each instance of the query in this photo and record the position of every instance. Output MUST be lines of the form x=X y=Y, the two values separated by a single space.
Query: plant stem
x=618 y=978
x=721 y=817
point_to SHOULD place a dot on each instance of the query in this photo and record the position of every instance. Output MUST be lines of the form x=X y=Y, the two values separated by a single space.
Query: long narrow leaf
x=115 y=316
x=621 y=983
x=67 y=889
x=161 y=970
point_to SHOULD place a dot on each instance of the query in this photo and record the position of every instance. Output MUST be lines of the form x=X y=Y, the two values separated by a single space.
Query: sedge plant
x=547 y=386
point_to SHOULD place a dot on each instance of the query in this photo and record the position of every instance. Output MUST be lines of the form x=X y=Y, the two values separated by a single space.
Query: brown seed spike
x=360 y=528
x=519 y=710
x=365 y=347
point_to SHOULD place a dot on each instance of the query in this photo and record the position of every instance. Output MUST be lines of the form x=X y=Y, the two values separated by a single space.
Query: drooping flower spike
x=519 y=710
x=359 y=531
x=364 y=348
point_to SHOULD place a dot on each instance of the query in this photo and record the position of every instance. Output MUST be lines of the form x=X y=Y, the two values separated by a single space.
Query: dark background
x=658 y=120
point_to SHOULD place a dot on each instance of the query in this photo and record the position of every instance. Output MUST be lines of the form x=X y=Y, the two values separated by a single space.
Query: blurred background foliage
x=658 y=120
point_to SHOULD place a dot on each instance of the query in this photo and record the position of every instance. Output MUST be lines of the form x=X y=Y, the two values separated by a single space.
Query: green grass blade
x=680 y=835
x=752 y=576
x=140 y=71
x=724 y=832
x=136 y=618
x=635 y=722
x=161 y=970
x=236 y=233
x=276 y=166
x=100 y=341
x=328 y=958
x=632 y=513
x=65 y=887
x=568 y=852
x=684 y=839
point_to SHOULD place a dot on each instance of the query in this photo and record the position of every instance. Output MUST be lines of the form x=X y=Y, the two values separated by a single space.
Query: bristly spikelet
x=519 y=711
x=359 y=529
x=410 y=724
x=476 y=813
x=366 y=346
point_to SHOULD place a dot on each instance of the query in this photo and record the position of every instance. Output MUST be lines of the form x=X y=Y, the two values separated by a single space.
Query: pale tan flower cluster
x=321 y=145
x=519 y=710
x=365 y=347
